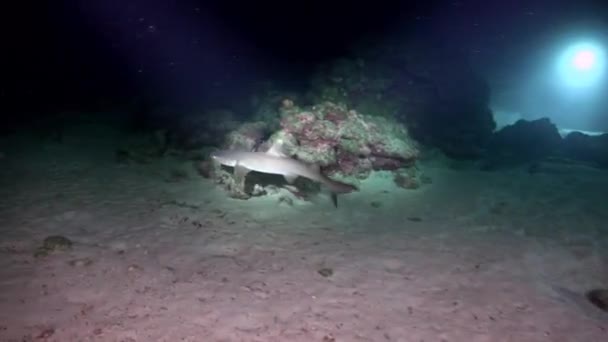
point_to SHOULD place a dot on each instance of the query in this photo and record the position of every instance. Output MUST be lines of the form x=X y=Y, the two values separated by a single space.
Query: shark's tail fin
x=337 y=187
x=334 y=199
x=340 y=187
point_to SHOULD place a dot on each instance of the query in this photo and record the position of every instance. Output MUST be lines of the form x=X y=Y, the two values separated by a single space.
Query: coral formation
x=342 y=141
x=345 y=141
x=339 y=139
x=437 y=95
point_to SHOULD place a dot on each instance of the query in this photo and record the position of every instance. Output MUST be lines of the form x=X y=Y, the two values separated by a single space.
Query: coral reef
x=339 y=139
x=345 y=141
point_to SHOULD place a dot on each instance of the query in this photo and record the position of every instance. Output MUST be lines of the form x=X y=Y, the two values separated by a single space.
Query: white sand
x=500 y=256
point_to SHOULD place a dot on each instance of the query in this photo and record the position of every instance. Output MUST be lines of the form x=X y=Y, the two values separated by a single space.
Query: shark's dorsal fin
x=277 y=149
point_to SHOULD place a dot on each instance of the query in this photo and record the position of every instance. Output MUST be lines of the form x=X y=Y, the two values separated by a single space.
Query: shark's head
x=224 y=157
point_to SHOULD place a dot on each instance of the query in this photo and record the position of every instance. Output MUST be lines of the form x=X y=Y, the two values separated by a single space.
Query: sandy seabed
x=474 y=256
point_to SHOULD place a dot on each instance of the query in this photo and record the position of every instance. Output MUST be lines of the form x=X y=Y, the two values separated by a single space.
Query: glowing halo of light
x=581 y=65
x=584 y=60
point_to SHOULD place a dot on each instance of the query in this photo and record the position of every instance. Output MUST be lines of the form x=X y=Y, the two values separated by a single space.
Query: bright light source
x=581 y=65
x=583 y=60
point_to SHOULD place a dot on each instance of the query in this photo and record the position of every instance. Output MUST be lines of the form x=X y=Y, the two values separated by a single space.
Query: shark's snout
x=219 y=155
x=223 y=157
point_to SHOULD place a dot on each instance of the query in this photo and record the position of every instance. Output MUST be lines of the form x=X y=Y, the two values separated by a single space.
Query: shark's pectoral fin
x=334 y=199
x=290 y=178
x=240 y=172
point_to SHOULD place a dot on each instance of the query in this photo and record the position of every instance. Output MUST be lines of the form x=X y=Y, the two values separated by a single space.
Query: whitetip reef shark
x=274 y=161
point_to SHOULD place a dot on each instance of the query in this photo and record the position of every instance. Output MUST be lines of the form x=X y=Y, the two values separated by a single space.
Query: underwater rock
x=406 y=181
x=460 y=131
x=53 y=243
x=587 y=148
x=239 y=193
x=80 y=262
x=142 y=148
x=453 y=114
x=375 y=204
x=45 y=334
x=599 y=298
x=258 y=190
x=177 y=175
x=205 y=168
x=410 y=178
x=208 y=128
x=443 y=102
x=57 y=242
x=234 y=188
x=270 y=103
x=326 y=272
x=364 y=86
x=521 y=143
x=248 y=136
x=286 y=200
x=449 y=101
